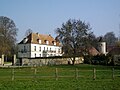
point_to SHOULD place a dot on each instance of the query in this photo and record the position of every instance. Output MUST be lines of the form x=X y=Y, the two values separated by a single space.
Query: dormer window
x=46 y=42
x=54 y=43
x=39 y=41
x=25 y=40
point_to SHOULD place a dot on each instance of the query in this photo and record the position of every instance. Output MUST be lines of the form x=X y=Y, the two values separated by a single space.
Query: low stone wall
x=48 y=61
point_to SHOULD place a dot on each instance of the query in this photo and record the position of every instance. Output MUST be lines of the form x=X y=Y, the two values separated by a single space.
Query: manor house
x=39 y=45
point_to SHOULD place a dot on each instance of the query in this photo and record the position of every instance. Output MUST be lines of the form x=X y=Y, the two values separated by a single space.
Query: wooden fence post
x=113 y=76
x=56 y=74
x=94 y=74
x=13 y=74
x=76 y=73
x=35 y=72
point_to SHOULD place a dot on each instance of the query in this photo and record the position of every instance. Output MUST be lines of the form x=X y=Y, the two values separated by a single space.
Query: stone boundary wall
x=48 y=61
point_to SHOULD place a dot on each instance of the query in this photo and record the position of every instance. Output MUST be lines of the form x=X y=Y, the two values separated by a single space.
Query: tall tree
x=75 y=37
x=110 y=38
x=8 y=33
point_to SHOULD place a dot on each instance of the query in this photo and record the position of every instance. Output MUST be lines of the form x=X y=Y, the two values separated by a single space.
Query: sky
x=44 y=16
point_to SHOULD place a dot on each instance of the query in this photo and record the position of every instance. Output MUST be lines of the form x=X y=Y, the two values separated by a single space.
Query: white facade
x=39 y=45
x=38 y=50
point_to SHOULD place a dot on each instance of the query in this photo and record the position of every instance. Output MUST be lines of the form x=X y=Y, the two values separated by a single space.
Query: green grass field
x=44 y=78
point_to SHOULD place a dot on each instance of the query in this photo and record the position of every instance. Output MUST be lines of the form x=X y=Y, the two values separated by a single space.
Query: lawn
x=44 y=78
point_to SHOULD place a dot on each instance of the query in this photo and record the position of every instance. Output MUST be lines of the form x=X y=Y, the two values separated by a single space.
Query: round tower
x=102 y=47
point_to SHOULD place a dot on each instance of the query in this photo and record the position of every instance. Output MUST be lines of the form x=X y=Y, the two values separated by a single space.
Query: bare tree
x=8 y=33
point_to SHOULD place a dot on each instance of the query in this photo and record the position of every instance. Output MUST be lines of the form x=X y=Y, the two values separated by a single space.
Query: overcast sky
x=44 y=16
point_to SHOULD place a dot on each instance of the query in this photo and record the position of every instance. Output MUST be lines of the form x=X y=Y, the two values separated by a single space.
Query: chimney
x=37 y=33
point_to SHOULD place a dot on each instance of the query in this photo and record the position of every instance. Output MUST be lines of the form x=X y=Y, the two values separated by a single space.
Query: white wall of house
x=38 y=50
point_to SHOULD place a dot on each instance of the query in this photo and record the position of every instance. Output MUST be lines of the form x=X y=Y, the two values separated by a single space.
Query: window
x=39 y=48
x=55 y=51
x=47 y=48
x=25 y=40
x=35 y=54
x=50 y=49
x=44 y=48
x=54 y=43
x=24 y=49
x=40 y=55
x=39 y=41
x=58 y=50
x=46 y=42
x=34 y=48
